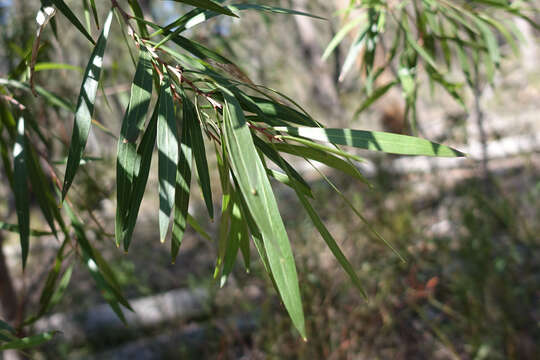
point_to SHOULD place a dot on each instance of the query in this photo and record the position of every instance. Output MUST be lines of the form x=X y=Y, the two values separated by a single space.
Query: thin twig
x=127 y=18
x=11 y=99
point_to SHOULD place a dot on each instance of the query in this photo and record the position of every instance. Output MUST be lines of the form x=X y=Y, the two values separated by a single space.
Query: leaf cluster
x=184 y=99
x=427 y=39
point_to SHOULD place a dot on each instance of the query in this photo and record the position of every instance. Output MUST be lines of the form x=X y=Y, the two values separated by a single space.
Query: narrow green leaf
x=505 y=31
x=282 y=96
x=240 y=224
x=226 y=208
x=141 y=93
x=254 y=231
x=4 y=148
x=420 y=50
x=201 y=162
x=491 y=40
x=464 y=62
x=214 y=59
x=197 y=227
x=331 y=242
x=376 y=95
x=495 y=3
x=94 y=12
x=450 y=87
x=167 y=145
x=443 y=41
x=273 y=9
x=291 y=182
x=360 y=216
x=244 y=247
x=85 y=106
x=489 y=66
x=375 y=140
x=208 y=5
x=50 y=97
x=42 y=66
x=354 y=50
x=248 y=104
x=49 y=287
x=237 y=231
x=50 y=282
x=128 y=41
x=183 y=179
x=408 y=85
x=94 y=264
x=274 y=156
x=134 y=4
x=375 y=21
x=338 y=38
x=198 y=16
x=111 y=278
x=274 y=109
x=65 y=9
x=86 y=8
x=262 y=205
x=21 y=189
x=322 y=157
x=14 y=228
x=200 y=51
x=144 y=160
x=322 y=148
x=61 y=288
x=29 y=341
x=224 y=226
x=41 y=188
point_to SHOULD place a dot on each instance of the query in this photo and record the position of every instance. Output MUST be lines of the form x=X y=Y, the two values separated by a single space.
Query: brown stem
x=263 y=131
x=12 y=100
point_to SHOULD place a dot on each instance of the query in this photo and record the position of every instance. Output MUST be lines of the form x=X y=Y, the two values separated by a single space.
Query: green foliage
x=8 y=340
x=141 y=93
x=429 y=39
x=469 y=290
x=203 y=100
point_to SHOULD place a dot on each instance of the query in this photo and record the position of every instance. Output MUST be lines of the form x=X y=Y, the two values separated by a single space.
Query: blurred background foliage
x=469 y=232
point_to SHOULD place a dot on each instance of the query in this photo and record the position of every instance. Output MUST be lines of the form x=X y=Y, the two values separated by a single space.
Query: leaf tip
x=64 y=193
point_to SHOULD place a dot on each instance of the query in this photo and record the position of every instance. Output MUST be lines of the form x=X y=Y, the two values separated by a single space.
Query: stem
x=126 y=18
x=12 y=100
x=479 y=117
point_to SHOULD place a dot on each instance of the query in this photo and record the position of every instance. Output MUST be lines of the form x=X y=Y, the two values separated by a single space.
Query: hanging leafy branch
x=202 y=101
x=431 y=38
